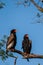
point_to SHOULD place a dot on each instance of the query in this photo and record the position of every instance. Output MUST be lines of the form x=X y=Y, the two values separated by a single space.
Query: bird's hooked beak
x=14 y=30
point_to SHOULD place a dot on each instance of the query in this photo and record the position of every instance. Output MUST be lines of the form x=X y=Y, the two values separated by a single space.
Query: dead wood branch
x=28 y=55
x=38 y=7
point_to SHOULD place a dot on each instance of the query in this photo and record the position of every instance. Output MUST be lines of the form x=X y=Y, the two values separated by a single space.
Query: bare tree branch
x=38 y=7
x=28 y=55
x=35 y=4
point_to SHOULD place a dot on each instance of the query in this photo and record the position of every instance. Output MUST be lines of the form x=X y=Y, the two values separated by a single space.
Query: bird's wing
x=22 y=43
x=10 y=38
x=30 y=44
x=30 y=41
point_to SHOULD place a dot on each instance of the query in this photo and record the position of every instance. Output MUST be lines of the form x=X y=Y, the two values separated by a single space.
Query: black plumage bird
x=26 y=44
x=11 y=41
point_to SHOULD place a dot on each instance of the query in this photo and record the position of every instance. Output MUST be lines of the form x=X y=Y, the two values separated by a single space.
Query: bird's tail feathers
x=27 y=59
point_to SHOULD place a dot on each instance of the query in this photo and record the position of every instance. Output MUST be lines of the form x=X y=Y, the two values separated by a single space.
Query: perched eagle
x=26 y=44
x=11 y=41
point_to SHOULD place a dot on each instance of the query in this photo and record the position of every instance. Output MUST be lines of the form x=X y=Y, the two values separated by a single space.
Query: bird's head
x=13 y=31
x=26 y=35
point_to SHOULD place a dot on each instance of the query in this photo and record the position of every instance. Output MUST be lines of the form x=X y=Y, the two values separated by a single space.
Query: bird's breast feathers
x=10 y=45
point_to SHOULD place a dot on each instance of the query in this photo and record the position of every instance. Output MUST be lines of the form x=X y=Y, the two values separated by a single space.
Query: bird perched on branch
x=11 y=41
x=26 y=45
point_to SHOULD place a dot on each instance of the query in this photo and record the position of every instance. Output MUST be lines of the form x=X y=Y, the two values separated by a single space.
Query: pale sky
x=20 y=18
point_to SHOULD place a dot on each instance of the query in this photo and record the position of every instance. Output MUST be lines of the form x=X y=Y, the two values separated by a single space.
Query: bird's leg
x=25 y=53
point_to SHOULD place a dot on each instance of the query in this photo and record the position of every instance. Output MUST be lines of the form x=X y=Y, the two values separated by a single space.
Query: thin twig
x=15 y=61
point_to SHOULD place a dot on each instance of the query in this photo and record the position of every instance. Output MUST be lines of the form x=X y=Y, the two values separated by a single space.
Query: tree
x=3 y=43
x=25 y=3
x=4 y=56
x=2 y=5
